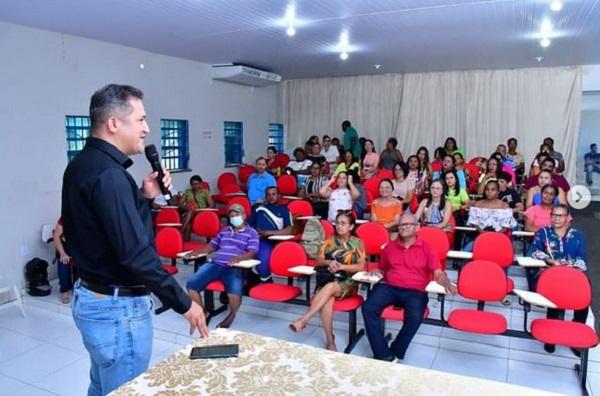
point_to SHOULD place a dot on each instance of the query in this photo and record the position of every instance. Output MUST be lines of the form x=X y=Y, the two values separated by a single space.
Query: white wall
x=591 y=78
x=45 y=76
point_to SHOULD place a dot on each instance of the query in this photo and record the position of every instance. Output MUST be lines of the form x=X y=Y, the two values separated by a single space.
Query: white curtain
x=480 y=108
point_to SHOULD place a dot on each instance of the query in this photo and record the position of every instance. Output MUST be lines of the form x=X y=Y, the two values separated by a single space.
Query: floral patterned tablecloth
x=267 y=366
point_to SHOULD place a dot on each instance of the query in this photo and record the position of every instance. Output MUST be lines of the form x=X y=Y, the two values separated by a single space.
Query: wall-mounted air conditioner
x=244 y=75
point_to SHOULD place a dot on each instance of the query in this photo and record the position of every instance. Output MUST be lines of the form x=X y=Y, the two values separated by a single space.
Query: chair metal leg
x=19 y=300
x=353 y=335
x=209 y=305
x=581 y=370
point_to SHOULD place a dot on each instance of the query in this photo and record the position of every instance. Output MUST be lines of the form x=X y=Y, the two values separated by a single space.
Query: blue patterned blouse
x=569 y=250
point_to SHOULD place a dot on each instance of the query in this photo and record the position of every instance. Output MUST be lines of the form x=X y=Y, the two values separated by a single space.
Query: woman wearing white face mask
x=233 y=244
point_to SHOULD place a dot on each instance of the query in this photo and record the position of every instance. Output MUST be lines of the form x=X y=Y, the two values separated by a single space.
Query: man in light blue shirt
x=259 y=181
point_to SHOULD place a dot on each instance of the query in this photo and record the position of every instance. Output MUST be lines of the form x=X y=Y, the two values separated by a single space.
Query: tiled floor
x=42 y=354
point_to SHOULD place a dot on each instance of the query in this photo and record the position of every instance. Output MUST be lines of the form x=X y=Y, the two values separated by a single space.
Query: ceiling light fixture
x=546 y=27
x=545 y=42
x=344 y=56
x=556 y=5
x=290 y=20
x=344 y=45
x=377 y=67
x=539 y=58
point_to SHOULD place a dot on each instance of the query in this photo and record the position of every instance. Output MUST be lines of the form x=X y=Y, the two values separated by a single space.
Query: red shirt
x=409 y=268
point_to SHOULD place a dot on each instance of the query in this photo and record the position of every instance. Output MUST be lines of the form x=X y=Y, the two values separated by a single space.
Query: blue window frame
x=174 y=144
x=276 y=136
x=234 y=142
x=77 y=129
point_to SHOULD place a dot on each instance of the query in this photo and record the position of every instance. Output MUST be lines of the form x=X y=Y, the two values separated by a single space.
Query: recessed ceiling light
x=539 y=58
x=377 y=67
x=344 y=56
x=545 y=42
x=142 y=66
x=546 y=27
x=291 y=31
x=556 y=5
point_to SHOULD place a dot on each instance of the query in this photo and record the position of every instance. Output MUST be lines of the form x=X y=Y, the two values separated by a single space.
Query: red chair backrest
x=566 y=287
x=242 y=201
x=438 y=240
x=300 y=207
x=206 y=224
x=225 y=179
x=436 y=166
x=494 y=246
x=373 y=236
x=372 y=185
x=287 y=185
x=168 y=216
x=473 y=171
x=482 y=280
x=385 y=174
x=328 y=228
x=168 y=242
x=282 y=160
x=286 y=255
x=245 y=172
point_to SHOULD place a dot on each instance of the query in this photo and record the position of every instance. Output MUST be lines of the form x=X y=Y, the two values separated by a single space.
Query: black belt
x=123 y=291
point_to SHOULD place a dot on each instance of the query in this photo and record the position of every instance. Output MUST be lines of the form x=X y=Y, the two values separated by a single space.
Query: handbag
x=324 y=276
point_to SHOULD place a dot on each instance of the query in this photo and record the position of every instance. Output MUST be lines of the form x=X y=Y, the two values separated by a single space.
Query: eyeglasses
x=337 y=223
x=558 y=215
x=404 y=225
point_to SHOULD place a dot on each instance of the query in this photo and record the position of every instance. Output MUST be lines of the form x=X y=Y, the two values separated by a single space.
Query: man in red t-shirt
x=407 y=265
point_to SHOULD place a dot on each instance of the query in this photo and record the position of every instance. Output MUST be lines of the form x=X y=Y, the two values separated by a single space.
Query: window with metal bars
x=234 y=143
x=276 y=136
x=77 y=129
x=174 y=144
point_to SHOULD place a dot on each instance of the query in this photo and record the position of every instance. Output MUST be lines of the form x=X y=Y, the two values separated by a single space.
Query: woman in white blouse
x=340 y=198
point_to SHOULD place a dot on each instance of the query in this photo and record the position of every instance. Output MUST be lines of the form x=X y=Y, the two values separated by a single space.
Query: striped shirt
x=229 y=244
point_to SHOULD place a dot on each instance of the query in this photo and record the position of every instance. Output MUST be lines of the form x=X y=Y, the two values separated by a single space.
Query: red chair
x=300 y=208
x=328 y=228
x=223 y=196
x=568 y=289
x=438 y=240
x=284 y=256
x=373 y=235
x=244 y=173
x=225 y=179
x=350 y=305
x=167 y=216
x=474 y=174
x=288 y=185
x=372 y=186
x=481 y=281
x=169 y=244
x=282 y=160
x=205 y=225
x=239 y=200
x=385 y=174
x=495 y=247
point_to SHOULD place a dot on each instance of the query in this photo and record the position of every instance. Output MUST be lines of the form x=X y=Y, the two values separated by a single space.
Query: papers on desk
x=459 y=254
x=534 y=298
x=302 y=269
x=434 y=287
x=308 y=217
x=246 y=263
x=281 y=237
x=529 y=262
x=292 y=197
x=207 y=210
x=169 y=207
x=169 y=225
x=361 y=221
x=235 y=194
x=523 y=234
x=465 y=228
x=194 y=257
x=367 y=277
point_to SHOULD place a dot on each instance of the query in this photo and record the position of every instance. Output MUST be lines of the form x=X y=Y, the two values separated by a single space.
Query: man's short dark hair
x=593 y=145
x=547 y=159
x=512 y=140
x=346 y=124
x=299 y=149
x=112 y=99
x=195 y=178
x=562 y=206
x=550 y=140
x=272 y=188
x=393 y=141
x=505 y=176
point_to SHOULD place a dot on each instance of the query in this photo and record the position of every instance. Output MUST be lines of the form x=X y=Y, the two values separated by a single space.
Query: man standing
x=108 y=229
x=557 y=156
x=592 y=163
x=259 y=181
x=406 y=265
x=351 y=142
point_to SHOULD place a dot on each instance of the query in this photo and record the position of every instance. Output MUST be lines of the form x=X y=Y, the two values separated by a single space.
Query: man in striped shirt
x=235 y=243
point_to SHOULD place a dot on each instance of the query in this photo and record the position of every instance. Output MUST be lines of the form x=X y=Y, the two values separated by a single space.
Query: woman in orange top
x=386 y=210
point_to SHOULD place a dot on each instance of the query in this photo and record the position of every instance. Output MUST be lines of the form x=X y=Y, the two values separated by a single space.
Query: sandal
x=296 y=329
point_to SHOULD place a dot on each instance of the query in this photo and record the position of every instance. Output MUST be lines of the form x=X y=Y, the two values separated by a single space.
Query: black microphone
x=154 y=159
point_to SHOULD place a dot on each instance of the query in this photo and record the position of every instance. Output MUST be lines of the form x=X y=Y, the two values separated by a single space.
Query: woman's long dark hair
x=364 y=152
x=456 y=187
x=443 y=197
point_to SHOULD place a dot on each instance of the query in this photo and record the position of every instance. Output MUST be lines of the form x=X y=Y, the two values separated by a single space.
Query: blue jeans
x=414 y=304
x=589 y=170
x=66 y=276
x=265 y=247
x=117 y=333
x=232 y=278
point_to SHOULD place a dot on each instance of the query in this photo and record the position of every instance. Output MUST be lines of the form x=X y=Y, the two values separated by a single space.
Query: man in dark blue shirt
x=592 y=163
x=107 y=225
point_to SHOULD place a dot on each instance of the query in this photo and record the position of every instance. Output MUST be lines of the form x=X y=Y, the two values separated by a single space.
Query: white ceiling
x=401 y=35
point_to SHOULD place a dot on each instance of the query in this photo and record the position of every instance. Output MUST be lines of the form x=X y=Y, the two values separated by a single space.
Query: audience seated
x=491 y=213
x=309 y=143
x=423 y=155
x=341 y=197
x=370 y=160
x=438 y=158
x=436 y=209
x=555 y=155
x=417 y=175
x=592 y=163
x=560 y=245
x=492 y=169
x=340 y=256
x=534 y=194
x=330 y=151
x=547 y=164
x=195 y=197
x=448 y=164
x=451 y=147
x=273 y=166
x=458 y=197
x=300 y=165
x=259 y=181
x=269 y=218
x=508 y=194
x=349 y=162
x=516 y=157
x=538 y=216
x=390 y=155
x=404 y=189
x=360 y=204
x=315 y=156
x=407 y=265
x=310 y=190
x=234 y=243
x=386 y=210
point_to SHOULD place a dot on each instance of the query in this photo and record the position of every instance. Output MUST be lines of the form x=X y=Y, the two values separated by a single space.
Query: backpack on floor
x=36 y=276
x=312 y=237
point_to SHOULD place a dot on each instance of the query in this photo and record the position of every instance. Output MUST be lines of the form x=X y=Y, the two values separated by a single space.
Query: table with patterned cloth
x=267 y=366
